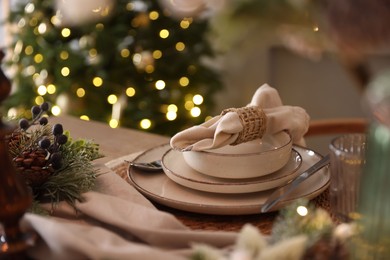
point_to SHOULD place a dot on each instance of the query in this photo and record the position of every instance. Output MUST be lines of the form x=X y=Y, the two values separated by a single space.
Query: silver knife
x=283 y=191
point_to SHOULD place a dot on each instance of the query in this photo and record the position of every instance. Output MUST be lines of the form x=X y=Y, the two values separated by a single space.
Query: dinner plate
x=176 y=168
x=159 y=188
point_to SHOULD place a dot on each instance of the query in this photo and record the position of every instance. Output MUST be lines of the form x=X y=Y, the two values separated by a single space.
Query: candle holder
x=15 y=197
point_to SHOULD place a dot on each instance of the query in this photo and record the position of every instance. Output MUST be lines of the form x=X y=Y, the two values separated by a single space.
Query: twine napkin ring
x=253 y=120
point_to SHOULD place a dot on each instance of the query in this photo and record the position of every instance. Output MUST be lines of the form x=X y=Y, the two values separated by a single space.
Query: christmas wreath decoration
x=55 y=167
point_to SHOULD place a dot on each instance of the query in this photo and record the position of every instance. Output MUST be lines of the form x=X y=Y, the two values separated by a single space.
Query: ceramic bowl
x=246 y=160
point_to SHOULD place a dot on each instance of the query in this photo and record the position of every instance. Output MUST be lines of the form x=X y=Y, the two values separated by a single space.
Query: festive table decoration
x=55 y=167
x=300 y=231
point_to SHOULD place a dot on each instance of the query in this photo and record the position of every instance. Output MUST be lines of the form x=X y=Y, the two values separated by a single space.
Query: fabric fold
x=224 y=129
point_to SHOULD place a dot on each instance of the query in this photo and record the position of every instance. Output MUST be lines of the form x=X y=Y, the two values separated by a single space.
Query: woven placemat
x=199 y=221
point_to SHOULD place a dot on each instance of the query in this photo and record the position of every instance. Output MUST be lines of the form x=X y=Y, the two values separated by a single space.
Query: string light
x=171 y=115
x=113 y=123
x=153 y=15
x=84 y=117
x=56 y=110
x=125 y=53
x=197 y=99
x=184 y=81
x=42 y=90
x=195 y=111
x=157 y=54
x=65 y=32
x=29 y=50
x=189 y=105
x=180 y=46
x=145 y=123
x=130 y=91
x=160 y=84
x=164 y=33
x=65 y=71
x=64 y=55
x=51 y=89
x=97 y=81
x=80 y=92
x=39 y=100
x=112 y=99
x=302 y=211
x=42 y=28
x=184 y=24
x=38 y=58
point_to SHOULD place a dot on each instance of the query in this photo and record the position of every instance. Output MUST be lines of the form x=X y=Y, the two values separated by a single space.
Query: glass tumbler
x=347 y=159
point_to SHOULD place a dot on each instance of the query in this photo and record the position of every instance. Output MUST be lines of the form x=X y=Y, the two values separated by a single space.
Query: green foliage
x=94 y=50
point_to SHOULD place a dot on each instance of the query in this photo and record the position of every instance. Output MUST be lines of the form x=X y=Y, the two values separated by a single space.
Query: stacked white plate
x=253 y=166
x=221 y=190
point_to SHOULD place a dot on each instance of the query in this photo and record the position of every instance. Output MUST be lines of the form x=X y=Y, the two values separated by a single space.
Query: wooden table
x=118 y=142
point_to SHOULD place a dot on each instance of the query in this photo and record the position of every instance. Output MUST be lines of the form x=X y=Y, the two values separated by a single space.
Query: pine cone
x=32 y=165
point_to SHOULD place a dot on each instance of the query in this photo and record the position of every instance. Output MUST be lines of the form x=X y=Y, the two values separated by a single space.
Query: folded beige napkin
x=225 y=129
x=116 y=222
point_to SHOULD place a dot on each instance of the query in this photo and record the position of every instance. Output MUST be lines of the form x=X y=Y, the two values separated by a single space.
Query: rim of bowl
x=250 y=154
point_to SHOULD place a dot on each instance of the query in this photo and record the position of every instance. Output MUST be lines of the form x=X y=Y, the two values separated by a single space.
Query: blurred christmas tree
x=129 y=63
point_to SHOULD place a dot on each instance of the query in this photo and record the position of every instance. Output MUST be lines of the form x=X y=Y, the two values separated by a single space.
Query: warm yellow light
x=64 y=55
x=51 y=89
x=172 y=107
x=97 y=81
x=149 y=68
x=80 y=92
x=180 y=46
x=189 y=105
x=153 y=15
x=42 y=90
x=65 y=32
x=145 y=123
x=30 y=70
x=65 y=71
x=84 y=117
x=197 y=99
x=99 y=26
x=112 y=99
x=92 y=52
x=29 y=50
x=208 y=118
x=184 y=81
x=39 y=100
x=195 y=112
x=33 y=22
x=171 y=115
x=42 y=28
x=302 y=211
x=125 y=53
x=56 y=110
x=316 y=28
x=55 y=20
x=184 y=24
x=130 y=92
x=164 y=33
x=113 y=123
x=157 y=54
x=38 y=58
x=160 y=84
x=29 y=8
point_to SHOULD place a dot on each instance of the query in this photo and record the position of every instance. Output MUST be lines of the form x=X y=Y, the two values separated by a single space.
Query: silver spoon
x=153 y=166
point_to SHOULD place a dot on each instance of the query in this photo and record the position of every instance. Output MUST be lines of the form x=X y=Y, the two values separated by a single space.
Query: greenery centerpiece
x=55 y=167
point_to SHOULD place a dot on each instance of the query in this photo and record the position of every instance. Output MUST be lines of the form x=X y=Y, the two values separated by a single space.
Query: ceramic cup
x=347 y=159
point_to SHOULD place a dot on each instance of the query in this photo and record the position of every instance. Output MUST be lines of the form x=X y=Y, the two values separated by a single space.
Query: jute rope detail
x=253 y=120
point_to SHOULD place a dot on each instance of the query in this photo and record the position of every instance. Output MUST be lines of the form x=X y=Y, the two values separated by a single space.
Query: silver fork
x=153 y=166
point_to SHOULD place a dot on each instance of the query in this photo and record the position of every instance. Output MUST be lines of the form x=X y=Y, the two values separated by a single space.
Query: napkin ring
x=253 y=120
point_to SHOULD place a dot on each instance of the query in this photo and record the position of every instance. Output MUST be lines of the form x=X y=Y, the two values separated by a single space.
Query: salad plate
x=176 y=168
